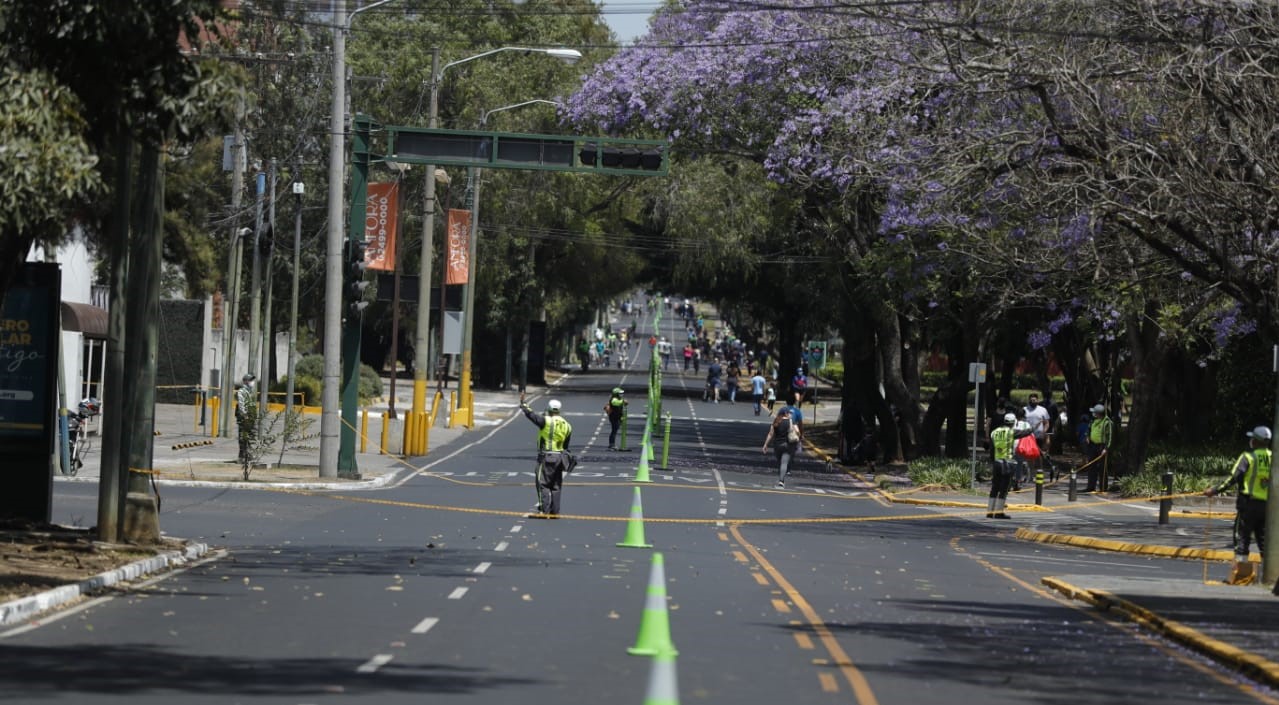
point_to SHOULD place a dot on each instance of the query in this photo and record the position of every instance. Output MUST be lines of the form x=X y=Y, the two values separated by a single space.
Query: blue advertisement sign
x=28 y=357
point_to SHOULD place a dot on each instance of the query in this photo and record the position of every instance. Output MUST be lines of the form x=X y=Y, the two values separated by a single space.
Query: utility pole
x=330 y=420
x=267 y=330
x=298 y=190
x=231 y=309
x=421 y=338
x=255 y=284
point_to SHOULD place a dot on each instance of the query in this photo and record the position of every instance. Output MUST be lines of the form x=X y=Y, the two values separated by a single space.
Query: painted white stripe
x=501 y=546
x=458 y=593
x=482 y=568
x=723 y=511
x=425 y=625
x=374 y=663
x=516 y=529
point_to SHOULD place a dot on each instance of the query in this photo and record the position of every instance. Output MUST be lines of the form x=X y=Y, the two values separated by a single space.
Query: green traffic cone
x=635 y=525
x=654 y=637
x=641 y=472
x=663 y=682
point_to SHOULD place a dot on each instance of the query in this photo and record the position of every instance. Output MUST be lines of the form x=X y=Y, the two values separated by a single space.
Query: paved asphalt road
x=440 y=590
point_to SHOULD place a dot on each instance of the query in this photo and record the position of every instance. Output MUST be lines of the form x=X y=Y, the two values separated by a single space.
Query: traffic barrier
x=635 y=525
x=654 y=636
x=192 y=444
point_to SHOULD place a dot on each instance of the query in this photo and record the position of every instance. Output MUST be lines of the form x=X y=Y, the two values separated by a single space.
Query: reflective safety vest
x=1101 y=430
x=1256 y=479
x=1002 y=438
x=552 y=436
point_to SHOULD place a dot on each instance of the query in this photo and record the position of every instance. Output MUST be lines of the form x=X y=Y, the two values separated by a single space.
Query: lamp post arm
x=351 y=15
x=484 y=120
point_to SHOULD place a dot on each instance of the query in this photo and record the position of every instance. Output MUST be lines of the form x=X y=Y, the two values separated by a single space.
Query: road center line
x=856 y=679
x=482 y=568
x=458 y=593
x=501 y=546
x=374 y=663
x=425 y=625
x=517 y=528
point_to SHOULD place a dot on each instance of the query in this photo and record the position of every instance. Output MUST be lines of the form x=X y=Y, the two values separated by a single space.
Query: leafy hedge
x=310 y=379
x=950 y=473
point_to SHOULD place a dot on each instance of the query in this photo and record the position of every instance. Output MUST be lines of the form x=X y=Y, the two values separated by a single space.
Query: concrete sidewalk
x=1234 y=625
x=186 y=454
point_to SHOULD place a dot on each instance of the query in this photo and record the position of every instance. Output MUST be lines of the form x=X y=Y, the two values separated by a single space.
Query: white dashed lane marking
x=425 y=625
x=482 y=568
x=374 y=663
x=458 y=593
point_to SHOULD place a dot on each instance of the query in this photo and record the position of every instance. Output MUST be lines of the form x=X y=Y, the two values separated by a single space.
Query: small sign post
x=976 y=375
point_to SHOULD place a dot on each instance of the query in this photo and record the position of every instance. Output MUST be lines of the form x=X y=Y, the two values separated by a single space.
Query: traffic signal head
x=636 y=157
x=353 y=283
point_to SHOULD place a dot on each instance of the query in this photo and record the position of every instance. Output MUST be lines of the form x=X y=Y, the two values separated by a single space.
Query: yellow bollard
x=386 y=433
x=217 y=407
x=364 y=430
x=424 y=442
x=410 y=424
x=195 y=422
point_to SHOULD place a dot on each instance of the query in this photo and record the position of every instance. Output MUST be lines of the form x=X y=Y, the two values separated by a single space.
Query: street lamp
x=473 y=188
x=420 y=361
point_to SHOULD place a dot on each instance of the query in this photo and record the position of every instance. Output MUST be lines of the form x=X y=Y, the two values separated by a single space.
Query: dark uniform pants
x=1001 y=478
x=1250 y=520
x=614 y=421
x=550 y=479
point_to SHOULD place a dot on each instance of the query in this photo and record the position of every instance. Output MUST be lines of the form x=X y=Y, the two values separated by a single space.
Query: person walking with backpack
x=553 y=456
x=783 y=436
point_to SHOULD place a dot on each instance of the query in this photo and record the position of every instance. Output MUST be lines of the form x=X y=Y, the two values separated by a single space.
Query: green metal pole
x=351 y=321
x=666 y=444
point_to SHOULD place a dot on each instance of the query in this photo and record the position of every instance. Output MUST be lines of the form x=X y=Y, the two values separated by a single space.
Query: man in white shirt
x=1037 y=417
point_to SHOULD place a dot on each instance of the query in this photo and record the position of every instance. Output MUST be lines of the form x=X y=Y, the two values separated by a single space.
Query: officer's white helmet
x=553 y=406
x=1010 y=418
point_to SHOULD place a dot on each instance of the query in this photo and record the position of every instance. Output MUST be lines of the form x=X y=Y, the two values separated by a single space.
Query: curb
x=1249 y=664
x=25 y=608
x=354 y=485
x=1211 y=554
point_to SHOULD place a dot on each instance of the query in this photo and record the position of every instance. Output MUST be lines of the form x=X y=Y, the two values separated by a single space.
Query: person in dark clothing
x=553 y=456
x=783 y=436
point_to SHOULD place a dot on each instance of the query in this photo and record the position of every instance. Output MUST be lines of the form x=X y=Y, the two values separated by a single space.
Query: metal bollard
x=386 y=433
x=364 y=430
x=1073 y=493
x=1039 y=488
x=1165 y=504
x=666 y=443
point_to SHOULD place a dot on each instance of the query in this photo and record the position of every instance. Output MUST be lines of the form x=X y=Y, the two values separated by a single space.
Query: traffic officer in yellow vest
x=1251 y=475
x=1101 y=433
x=1002 y=441
x=553 y=456
x=615 y=410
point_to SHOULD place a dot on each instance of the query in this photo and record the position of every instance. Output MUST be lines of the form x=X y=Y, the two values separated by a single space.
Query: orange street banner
x=459 y=246
x=380 y=213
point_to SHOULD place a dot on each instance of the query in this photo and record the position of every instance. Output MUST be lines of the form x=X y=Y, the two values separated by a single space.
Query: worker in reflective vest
x=1002 y=442
x=553 y=456
x=1251 y=476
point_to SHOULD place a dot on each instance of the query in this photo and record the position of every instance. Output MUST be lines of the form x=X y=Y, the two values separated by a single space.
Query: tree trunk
x=111 y=486
x=908 y=411
x=1149 y=353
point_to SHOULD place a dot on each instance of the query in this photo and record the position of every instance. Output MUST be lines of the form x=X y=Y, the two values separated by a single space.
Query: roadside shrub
x=311 y=368
x=951 y=473
x=1191 y=473
x=306 y=390
x=833 y=371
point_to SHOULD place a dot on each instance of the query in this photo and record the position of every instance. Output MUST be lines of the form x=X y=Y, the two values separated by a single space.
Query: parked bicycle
x=78 y=435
